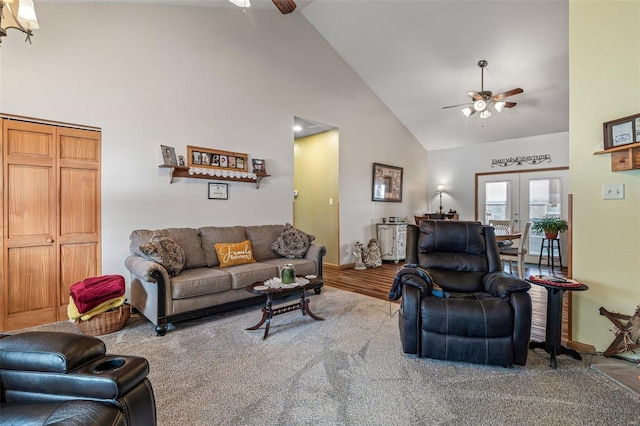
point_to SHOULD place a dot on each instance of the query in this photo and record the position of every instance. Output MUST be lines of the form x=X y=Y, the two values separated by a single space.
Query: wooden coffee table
x=269 y=312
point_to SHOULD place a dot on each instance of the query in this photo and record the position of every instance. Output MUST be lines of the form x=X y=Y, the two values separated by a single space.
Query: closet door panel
x=30 y=276
x=79 y=201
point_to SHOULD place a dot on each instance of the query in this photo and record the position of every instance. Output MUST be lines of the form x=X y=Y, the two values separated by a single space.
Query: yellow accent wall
x=315 y=177
x=604 y=63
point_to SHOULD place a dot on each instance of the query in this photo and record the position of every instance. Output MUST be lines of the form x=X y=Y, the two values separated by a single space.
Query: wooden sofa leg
x=161 y=329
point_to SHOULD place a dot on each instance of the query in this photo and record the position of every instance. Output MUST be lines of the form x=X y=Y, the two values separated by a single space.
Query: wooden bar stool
x=550 y=251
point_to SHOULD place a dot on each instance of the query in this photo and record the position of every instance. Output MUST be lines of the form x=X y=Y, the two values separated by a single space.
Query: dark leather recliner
x=484 y=315
x=65 y=378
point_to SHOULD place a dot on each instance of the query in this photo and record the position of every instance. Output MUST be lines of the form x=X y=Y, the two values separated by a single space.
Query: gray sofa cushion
x=187 y=238
x=249 y=273
x=199 y=281
x=261 y=238
x=212 y=235
x=302 y=266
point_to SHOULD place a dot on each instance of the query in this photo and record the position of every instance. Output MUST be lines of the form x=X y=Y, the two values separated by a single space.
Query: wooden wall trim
x=51 y=122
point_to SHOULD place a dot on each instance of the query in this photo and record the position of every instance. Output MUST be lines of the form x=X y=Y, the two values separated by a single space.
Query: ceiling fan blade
x=459 y=105
x=474 y=95
x=511 y=92
x=510 y=104
x=285 y=6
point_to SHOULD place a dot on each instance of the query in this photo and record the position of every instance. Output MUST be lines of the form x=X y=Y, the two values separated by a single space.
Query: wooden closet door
x=79 y=201
x=30 y=273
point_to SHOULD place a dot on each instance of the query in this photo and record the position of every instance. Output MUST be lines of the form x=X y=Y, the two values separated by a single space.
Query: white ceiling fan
x=285 y=6
x=483 y=99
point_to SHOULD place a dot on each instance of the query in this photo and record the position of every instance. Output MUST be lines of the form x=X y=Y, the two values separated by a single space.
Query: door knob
x=50 y=240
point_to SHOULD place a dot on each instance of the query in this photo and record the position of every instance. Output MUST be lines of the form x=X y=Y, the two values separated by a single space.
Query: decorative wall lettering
x=518 y=161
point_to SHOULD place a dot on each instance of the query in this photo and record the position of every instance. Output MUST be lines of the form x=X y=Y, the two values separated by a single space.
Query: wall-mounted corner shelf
x=625 y=157
x=180 y=171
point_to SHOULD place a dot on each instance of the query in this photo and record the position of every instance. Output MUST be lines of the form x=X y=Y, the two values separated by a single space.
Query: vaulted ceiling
x=421 y=55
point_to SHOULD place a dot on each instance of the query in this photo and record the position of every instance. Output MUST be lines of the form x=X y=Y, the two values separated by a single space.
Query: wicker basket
x=106 y=322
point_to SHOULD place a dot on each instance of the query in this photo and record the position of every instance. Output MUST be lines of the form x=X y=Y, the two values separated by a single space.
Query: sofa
x=68 y=379
x=457 y=302
x=165 y=293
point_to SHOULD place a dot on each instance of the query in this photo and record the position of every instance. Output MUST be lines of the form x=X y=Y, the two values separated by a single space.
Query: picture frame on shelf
x=386 y=183
x=259 y=166
x=216 y=159
x=181 y=161
x=620 y=132
x=169 y=155
x=218 y=191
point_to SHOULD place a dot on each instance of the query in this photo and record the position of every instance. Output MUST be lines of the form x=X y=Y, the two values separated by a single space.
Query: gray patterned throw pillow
x=292 y=243
x=163 y=250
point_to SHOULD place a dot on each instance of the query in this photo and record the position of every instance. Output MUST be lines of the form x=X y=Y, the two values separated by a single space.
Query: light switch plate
x=613 y=191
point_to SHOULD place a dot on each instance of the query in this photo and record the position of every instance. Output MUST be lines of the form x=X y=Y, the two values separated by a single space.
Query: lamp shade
x=26 y=15
x=480 y=105
x=467 y=111
x=19 y=14
x=440 y=188
x=485 y=114
x=499 y=106
x=241 y=3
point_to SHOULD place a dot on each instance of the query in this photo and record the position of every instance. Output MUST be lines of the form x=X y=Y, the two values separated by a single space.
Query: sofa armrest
x=501 y=284
x=316 y=252
x=145 y=269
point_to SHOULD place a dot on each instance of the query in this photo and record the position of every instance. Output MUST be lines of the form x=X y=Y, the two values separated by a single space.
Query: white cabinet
x=392 y=240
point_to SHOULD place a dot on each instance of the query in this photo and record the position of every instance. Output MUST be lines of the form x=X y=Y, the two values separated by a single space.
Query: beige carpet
x=350 y=370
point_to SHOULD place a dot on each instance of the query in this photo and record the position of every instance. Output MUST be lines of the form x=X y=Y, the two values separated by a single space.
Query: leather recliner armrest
x=501 y=284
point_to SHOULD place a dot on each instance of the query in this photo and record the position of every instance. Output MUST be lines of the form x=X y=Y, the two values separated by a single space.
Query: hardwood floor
x=377 y=283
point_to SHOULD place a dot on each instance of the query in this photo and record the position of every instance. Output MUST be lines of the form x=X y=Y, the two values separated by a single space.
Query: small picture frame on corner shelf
x=218 y=191
x=622 y=131
x=181 y=161
x=259 y=166
x=169 y=155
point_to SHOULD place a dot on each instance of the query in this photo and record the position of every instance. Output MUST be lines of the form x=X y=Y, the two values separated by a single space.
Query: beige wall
x=605 y=85
x=210 y=77
x=315 y=177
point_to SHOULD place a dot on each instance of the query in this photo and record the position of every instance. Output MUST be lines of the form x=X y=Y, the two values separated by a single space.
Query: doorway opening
x=315 y=180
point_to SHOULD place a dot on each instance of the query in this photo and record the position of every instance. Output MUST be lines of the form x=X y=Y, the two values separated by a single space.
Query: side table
x=553 y=343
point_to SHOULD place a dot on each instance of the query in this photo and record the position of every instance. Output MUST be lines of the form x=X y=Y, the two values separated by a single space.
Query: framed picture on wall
x=218 y=191
x=622 y=131
x=386 y=183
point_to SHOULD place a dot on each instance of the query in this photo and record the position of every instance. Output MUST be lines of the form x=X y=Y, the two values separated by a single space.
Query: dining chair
x=501 y=227
x=517 y=252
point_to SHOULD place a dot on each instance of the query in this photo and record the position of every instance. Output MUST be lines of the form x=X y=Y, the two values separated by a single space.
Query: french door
x=523 y=197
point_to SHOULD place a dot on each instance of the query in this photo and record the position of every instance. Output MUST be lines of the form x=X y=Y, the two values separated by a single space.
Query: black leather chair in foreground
x=68 y=379
x=483 y=315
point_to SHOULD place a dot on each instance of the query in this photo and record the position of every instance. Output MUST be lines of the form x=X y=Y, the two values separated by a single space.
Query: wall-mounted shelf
x=625 y=157
x=179 y=171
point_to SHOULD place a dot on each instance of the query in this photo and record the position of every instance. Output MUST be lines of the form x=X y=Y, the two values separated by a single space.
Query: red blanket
x=91 y=292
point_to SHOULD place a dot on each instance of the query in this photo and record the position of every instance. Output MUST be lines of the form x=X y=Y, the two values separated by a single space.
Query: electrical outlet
x=613 y=191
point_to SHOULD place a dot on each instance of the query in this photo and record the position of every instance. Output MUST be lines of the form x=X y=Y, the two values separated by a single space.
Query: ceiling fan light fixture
x=499 y=106
x=467 y=111
x=485 y=114
x=480 y=105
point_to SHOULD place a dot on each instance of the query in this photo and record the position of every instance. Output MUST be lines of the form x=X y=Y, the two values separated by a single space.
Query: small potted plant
x=550 y=225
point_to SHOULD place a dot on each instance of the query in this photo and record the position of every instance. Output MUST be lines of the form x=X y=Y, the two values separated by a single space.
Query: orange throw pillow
x=230 y=254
